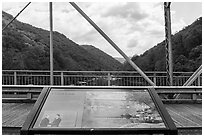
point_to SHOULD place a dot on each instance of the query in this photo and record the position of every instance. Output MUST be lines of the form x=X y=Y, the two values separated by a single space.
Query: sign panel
x=99 y=108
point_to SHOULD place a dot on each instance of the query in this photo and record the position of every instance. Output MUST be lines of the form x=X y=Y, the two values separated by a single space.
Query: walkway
x=184 y=115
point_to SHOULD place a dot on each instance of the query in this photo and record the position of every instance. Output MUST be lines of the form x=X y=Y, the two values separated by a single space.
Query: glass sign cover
x=99 y=108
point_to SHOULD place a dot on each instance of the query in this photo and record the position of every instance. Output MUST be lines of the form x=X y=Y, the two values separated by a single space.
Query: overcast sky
x=133 y=26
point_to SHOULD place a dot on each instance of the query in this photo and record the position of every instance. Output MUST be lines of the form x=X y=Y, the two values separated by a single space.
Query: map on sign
x=99 y=108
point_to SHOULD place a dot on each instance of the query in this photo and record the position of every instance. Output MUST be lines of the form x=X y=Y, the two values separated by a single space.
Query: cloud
x=128 y=10
x=158 y=4
x=177 y=25
x=90 y=36
x=133 y=26
x=156 y=33
x=15 y=5
x=132 y=43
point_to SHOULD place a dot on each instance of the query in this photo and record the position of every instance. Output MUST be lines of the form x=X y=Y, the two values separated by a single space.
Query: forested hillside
x=26 y=47
x=186 y=48
x=102 y=56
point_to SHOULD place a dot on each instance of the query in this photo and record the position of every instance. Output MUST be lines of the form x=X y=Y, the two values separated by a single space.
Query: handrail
x=57 y=71
x=94 y=78
x=30 y=93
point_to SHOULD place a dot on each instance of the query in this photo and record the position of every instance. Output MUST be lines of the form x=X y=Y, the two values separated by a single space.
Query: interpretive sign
x=78 y=109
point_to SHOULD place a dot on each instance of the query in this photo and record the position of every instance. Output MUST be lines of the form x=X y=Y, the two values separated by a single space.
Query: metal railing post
x=29 y=95
x=62 y=78
x=15 y=78
x=109 y=79
x=155 y=78
x=194 y=96
x=198 y=80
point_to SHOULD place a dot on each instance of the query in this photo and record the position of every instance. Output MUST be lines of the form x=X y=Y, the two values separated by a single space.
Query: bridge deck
x=15 y=114
x=184 y=115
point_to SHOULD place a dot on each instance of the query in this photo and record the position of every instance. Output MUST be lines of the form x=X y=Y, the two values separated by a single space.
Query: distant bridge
x=94 y=78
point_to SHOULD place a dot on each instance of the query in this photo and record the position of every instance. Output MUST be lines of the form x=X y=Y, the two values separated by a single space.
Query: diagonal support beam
x=190 y=81
x=113 y=44
x=16 y=16
x=193 y=77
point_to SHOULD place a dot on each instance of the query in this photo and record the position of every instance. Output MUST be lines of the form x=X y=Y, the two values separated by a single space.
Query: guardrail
x=29 y=93
x=93 y=78
x=20 y=93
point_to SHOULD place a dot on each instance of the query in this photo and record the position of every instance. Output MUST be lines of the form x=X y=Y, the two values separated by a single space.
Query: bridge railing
x=30 y=93
x=93 y=78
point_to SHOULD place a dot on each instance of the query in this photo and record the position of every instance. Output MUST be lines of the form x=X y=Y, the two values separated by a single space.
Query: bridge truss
x=169 y=62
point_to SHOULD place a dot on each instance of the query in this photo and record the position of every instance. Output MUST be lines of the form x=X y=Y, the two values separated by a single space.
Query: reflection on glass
x=99 y=108
x=46 y=121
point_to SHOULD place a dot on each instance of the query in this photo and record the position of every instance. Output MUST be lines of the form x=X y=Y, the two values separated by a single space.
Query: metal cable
x=15 y=17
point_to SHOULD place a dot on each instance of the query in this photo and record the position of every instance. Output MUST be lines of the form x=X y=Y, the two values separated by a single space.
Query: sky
x=134 y=26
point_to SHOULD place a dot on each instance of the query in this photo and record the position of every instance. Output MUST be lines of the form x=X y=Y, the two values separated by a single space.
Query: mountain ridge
x=27 y=47
x=186 y=50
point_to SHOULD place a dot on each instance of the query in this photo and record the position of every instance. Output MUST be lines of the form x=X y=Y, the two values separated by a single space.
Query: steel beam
x=114 y=45
x=195 y=75
x=168 y=43
x=16 y=16
x=51 y=44
x=190 y=81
